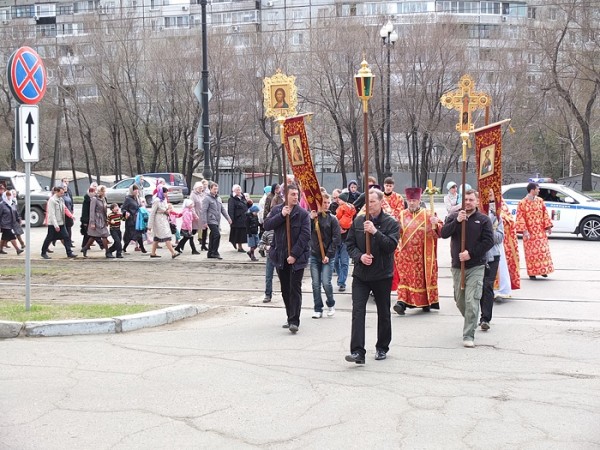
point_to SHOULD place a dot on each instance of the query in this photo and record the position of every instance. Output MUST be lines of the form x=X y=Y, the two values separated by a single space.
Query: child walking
x=114 y=223
x=252 y=226
x=188 y=216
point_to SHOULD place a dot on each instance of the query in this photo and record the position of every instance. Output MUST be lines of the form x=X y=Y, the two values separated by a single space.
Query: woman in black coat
x=237 y=206
x=130 y=209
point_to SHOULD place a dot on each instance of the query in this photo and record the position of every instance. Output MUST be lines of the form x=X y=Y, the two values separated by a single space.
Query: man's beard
x=413 y=209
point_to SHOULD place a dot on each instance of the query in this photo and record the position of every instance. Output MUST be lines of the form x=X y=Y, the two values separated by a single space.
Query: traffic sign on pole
x=28 y=133
x=27 y=76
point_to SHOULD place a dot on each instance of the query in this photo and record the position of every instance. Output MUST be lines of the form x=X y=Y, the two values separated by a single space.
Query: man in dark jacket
x=321 y=266
x=372 y=273
x=290 y=267
x=479 y=238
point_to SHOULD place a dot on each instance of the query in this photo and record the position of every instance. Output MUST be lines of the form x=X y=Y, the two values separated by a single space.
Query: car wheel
x=590 y=229
x=36 y=217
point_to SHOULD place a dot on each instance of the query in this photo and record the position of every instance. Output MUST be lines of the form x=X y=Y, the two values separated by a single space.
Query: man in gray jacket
x=212 y=209
x=56 y=224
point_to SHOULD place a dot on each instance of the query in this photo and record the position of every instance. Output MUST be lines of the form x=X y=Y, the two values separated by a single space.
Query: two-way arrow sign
x=28 y=133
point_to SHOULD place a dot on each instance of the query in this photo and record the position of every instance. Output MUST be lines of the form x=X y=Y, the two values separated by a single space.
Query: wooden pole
x=288 y=227
x=463 y=229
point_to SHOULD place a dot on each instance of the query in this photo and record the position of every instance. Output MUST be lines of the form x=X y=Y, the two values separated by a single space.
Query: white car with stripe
x=571 y=211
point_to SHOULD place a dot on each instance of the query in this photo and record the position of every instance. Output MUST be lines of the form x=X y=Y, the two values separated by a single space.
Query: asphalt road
x=233 y=378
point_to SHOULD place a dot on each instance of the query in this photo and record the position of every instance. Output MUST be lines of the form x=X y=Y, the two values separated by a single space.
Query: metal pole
x=388 y=167
x=27 y=236
x=366 y=167
x=207 y=172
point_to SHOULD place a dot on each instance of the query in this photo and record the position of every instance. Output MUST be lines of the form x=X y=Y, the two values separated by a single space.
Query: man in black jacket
x=321 y=267
x=479 y=238
x=372 y=273
x=290 y=267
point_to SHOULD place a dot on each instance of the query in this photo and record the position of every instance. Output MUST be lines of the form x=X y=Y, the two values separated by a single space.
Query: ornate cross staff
x=465 y=100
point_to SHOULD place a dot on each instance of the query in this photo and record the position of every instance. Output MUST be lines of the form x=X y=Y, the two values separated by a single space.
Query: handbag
x=186 y=233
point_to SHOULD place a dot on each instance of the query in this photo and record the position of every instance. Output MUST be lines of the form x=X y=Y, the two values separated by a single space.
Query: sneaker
x=342 y=288
x=45 y=256
x=267 y=299
x=331 y=311
x=293 y=328
x=317 y=315
x=285 y=325
x=485 y=325
x=469 y=344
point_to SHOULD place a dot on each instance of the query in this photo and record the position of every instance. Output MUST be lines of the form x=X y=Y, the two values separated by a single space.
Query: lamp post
x=389 y=37
x=364 y=81
x=207 y=172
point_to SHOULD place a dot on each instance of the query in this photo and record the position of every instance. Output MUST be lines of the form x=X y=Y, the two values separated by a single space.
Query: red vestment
x=533 y=217
x=416 y=260
x=511 y=248
x=393 y=205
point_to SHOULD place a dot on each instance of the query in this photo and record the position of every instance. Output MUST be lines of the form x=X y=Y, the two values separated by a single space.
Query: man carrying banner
x=416 y=257
x=535 y=224
x=372 y=273
x=290 y=267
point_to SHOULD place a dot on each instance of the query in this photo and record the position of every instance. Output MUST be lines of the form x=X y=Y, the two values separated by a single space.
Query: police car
x=571 y=211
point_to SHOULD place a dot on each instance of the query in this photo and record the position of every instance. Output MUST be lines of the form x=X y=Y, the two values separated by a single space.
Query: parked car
x=571 y=211
x=38 y=197
x=118 y=192
x=174 y=179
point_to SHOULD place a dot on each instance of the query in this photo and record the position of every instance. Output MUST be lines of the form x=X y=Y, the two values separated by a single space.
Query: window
x=531 y=58
x=87 y=91
x=45 y=10
x=44 y=31
x=490 y=8
x=64 y=29
x=65 y=10
x=531 y=12
x=177 y=22
x=346 y=10
x=552 y=14
x=412 y=7
x=4 y=14
x=517 y=193
x=376 y=9
x=297 y=16
x=22 y=11
x=298 y=39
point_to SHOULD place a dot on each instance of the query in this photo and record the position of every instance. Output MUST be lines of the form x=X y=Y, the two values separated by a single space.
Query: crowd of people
x=393 y=249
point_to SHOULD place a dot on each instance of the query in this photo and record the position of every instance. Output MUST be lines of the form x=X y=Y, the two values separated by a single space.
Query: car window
x=552 y=195
x=516 y=193
x=146 y=184
x=124 y=184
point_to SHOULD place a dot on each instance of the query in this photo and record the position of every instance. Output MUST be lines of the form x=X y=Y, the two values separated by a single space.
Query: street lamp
x=207 y=172
x=389 y=37
x=364 y=88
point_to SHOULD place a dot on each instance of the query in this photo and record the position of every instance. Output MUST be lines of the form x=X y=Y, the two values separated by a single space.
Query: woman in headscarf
x=130 y=209
x=98 y=226
x=237 y=207
x=197 y=195
x=158 y=223
x=9 y=218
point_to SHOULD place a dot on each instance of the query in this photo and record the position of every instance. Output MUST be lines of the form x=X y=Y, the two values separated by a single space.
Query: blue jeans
x=321 y=274
x=269 y=277
x=341 y=264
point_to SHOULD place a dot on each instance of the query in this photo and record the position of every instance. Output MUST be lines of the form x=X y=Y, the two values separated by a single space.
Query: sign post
x=27 y=80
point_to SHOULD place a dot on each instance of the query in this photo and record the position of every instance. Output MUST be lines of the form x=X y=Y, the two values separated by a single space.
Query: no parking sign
x=27 y=76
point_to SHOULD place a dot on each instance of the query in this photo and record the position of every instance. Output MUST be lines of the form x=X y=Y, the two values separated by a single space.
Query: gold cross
x=465 y=100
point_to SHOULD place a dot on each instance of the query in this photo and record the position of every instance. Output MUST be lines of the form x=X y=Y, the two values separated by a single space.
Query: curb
x=119 y=324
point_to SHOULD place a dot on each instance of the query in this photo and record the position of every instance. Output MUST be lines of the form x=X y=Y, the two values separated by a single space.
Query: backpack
x=141 y=221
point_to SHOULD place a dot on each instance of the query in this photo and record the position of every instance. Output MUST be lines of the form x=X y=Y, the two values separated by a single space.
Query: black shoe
x=545 y=276
x=293 y=328
x=532 y=277
x=342 y=288
x=45 y=256
x=399 y=308
x=175 y=255
x=109 y=255
x=215 y=256
x=285 y=325
x=50 y=251
x=484 y=325
x=154 y=256
x=241 y=250
x=205 y=248
x=195 y=252
x=72 y=256
x=426 y=309
x=262 y=253
x=120 y=256
x=84 y=251
x=355 y=358
x=380 y=354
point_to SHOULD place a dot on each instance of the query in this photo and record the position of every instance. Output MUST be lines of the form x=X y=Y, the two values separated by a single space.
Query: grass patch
x=16 y=312
x=20 y=271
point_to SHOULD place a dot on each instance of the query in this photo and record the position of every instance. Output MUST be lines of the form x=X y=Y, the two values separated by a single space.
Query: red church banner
x=488 y=157
x=298 y=152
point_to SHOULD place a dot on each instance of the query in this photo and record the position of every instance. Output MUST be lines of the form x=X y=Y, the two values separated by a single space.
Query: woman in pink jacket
x=188 y=217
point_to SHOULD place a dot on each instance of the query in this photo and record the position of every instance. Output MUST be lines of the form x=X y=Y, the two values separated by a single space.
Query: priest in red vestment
x=535 y=225
x=416 y=260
